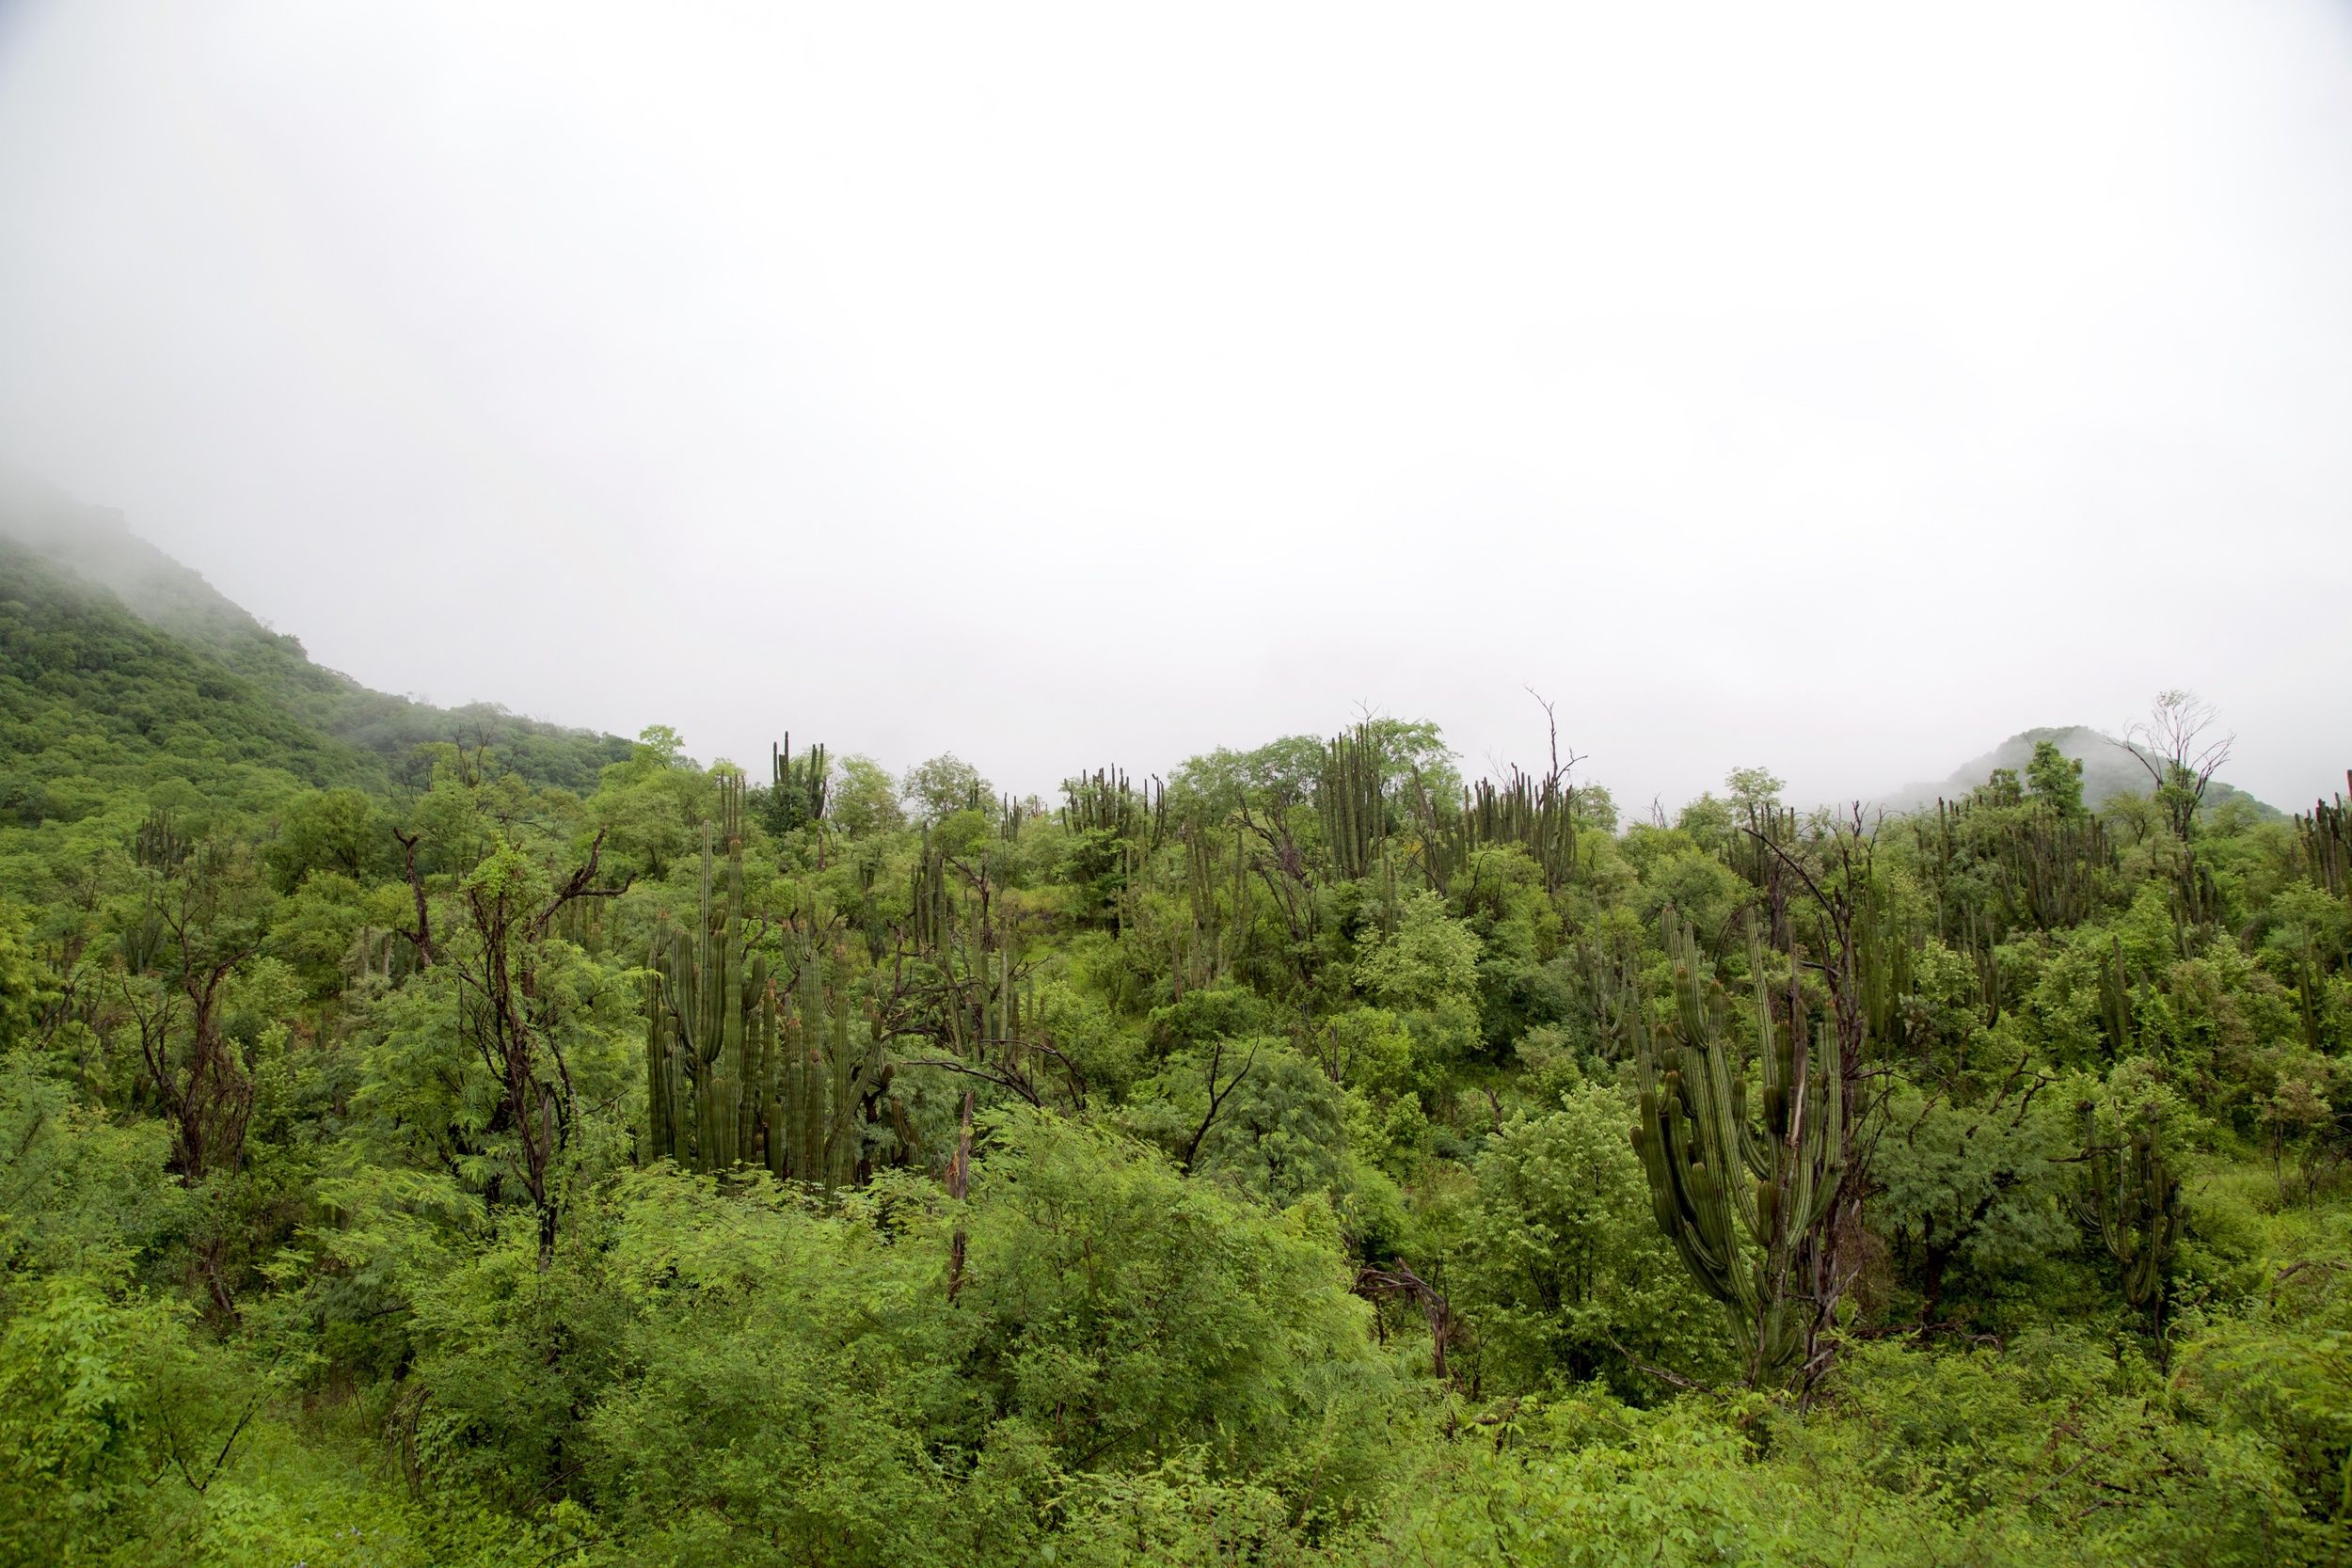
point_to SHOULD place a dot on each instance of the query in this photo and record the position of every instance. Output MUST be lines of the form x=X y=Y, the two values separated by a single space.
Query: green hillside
x=95 y=701
x=162 y=635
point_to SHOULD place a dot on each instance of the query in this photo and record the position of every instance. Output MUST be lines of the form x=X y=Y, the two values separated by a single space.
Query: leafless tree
x=2172 y=744
x=1560 y=779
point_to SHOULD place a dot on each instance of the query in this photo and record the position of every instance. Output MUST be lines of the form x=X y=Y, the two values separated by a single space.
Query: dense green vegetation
x=502 y=1146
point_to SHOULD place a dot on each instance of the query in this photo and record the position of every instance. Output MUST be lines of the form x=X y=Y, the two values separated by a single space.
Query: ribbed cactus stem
x=1740 y=1201
x=2136 y=1202
x=1352 y=802
x=2326 y=839
x=740 y=1068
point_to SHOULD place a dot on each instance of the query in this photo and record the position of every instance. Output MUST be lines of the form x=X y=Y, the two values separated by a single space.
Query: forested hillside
x=440 y=1140
x=138 y=646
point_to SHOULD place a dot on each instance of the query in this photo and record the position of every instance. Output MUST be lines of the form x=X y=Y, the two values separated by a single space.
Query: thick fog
x=1835 y=388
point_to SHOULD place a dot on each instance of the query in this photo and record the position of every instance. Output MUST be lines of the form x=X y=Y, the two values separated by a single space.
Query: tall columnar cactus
x=1537 y=815
x=1106 y=802
x=696 y=1027
x=2055 y=866
x=1743 y=1201
x=737 y=1070
x=1997 y=862
x=1116 y=828
x=1352 y=801
x=797 y=788
x=978 y=1006
x=826 y=1072
x=1216 y=898
x=2114 y=999
x=158 y=846
x=1886 y=949
x=931 y=911
x=2326 y=836
x=2136 y=1203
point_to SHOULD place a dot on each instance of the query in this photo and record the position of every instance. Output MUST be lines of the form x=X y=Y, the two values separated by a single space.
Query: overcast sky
x=1839 y=387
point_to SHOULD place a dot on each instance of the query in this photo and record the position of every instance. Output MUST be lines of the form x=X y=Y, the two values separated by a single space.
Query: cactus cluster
x=1743 y=1199
x=797 y=788
x=2060 y=864
x=1012 y=814
x=158 y=846
x=2136 y=1202
x=1351 y=799
x=742 y=1071
x=1536 y=815
x=1115 y=828
x=1106 y=802
x=2114 y=999
x=1754 y=851
x=930 y=911
x=989 y=1006
x=2326 y=838
x=1886 y=944
x=2001 y=861
x=2018 y=864
x=1205 y=948
x=979 y=1004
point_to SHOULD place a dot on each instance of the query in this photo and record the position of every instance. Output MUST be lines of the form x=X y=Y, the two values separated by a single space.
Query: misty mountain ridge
x=2111 y=768
x=74 y=574
x=96 y=545
x=96 y=549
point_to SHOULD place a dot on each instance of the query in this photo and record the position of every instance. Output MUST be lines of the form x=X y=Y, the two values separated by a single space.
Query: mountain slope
x=69 y=561
x=2108 y=770
x=93 y=699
